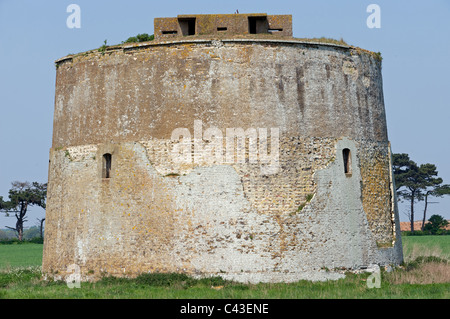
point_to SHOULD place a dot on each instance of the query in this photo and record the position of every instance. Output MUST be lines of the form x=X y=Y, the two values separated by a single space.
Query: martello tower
x=223 y=147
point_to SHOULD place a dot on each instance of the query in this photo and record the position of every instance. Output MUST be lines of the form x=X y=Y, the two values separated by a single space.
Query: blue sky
x=414 y=40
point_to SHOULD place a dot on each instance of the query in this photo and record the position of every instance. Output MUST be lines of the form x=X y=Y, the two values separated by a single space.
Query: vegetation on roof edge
x=324 y=40
x=144 y=37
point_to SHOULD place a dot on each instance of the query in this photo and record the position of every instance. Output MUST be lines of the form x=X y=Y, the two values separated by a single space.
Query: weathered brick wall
x=143 y=92
x=230 y=24
x=377 y=196
x=217 y=217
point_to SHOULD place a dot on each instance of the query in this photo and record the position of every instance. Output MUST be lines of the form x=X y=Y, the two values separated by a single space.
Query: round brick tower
x=224 y=147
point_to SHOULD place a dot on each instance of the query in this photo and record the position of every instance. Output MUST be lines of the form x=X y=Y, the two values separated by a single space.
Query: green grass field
x=415 y=246
x=20 y=255
x=20 y=277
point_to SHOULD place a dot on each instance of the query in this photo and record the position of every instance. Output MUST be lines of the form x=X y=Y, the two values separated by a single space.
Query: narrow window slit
x=346 y=154
x=275 y=30
x=106 y=171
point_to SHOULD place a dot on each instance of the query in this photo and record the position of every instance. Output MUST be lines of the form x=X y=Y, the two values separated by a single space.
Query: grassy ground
x=20 y=255
x=27 y=284
x=416 y=246
x=420 y=278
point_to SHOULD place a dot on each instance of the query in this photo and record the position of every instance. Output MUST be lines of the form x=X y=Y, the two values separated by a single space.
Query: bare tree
x=22 y=195
x=41 y=226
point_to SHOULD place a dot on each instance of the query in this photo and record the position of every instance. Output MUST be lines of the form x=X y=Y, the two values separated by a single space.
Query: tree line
x=415 y=183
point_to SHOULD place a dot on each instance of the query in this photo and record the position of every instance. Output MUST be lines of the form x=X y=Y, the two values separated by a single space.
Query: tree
x=436 y=222
x=435 y=191
x=144 y=37
x=416 y=183
x=41 y=226
x=408 y=182
x=22 y=195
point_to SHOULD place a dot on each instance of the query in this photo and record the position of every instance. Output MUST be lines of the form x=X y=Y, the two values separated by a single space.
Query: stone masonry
x=121 y=202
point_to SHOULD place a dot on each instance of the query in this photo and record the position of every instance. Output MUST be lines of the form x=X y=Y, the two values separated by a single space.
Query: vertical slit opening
x=346 y=154
x=106 y=171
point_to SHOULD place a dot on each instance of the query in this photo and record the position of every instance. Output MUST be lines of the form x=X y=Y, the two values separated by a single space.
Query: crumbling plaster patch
x=217 y=228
